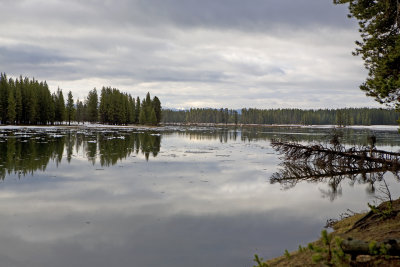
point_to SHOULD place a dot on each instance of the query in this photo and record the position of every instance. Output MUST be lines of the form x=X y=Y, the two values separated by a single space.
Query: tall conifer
x=70 y=108
x=92 y=106
x=11 y=114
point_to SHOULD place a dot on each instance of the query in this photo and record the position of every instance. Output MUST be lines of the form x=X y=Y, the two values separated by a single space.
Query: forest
x=29 y=102
x=25 y=101
x=340 y=117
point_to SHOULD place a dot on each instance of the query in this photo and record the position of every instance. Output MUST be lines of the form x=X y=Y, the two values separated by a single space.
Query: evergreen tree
x=43 y=103
x=137 y=110
x=152 y=117
x=147 y=106
x=236 y=117
x=142 y=116
x=18 y=102
x=379 y=23
x=3 y=97
x=103 y=107
x=157 y=109
x=148 y=99
x=79 y=111
x=59 y=104
x=11 y=114
x=32 y=107
x=70 y=108
x=92 y=106
x=132 y=109
x=127 y=109
x=52 y=110
x=118 y=107
x=339 y=118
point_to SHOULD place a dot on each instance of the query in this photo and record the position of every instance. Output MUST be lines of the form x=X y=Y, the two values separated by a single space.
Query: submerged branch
x=334 y=163
x=352 y=156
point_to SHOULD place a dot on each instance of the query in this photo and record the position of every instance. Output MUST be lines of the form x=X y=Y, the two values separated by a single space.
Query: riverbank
x=372 y=127
x=80 y=126
x=369 y=227
x=163 y=125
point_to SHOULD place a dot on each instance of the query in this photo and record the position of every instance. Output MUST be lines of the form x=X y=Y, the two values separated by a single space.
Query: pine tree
x=142 y=117
x=52 y=110
x=92 y=106
x=152 y=117
x=157 y=109
x=11 y=114
x=379 y=23
x=147 y=106
x=132 y=109
x=236 y=117
x=79 y=111
x=18 y=102
x=137 y=110
x=59 y=104
x=70 y=108
x=3 y=97
x=32 y=107
x=148 y=99
x=102 y=105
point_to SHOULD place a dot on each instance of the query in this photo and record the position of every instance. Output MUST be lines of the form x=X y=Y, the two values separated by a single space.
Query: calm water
x=168 y=197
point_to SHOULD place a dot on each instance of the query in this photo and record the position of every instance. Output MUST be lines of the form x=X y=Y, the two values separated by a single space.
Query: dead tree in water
x=365 y=158
x=317 y=163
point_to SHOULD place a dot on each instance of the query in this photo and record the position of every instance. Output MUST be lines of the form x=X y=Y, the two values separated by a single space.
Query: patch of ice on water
x=197 y=152
x=56 y=135
x=371 y=127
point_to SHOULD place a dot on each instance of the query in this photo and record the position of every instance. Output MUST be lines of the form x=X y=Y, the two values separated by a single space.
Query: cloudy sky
x=190 y=53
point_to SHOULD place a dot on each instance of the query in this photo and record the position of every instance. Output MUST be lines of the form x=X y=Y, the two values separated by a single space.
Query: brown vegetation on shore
x=369 y=227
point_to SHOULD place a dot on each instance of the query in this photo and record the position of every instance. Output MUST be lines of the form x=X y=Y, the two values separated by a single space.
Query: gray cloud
x=256 y=15
x=189 y=52
x=247 y=15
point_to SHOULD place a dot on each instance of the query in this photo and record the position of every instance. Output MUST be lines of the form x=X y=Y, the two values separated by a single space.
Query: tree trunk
x=356 y=247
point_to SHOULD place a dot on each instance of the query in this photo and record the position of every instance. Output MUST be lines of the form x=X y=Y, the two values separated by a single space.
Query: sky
x=190 y=53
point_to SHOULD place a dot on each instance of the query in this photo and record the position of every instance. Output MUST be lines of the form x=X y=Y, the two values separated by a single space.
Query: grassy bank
x=375 y=226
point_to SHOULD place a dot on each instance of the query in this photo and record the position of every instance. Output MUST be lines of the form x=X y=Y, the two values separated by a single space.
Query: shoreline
x=369 y=227
x=162 y=125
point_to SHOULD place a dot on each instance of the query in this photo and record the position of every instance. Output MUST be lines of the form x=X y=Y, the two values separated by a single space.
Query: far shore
x=162 y=125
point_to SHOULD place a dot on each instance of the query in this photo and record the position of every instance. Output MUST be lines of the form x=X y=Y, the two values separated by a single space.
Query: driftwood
x=356 y=247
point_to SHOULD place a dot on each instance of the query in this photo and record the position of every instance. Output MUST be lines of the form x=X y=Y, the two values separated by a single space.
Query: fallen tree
x=364 y=158
x=332 y=163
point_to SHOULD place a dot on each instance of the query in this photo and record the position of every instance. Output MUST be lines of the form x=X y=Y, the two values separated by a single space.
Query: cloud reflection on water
x=211 y=204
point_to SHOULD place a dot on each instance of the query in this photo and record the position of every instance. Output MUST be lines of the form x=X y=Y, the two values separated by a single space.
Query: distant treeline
x=28 y=101
x=341 y=117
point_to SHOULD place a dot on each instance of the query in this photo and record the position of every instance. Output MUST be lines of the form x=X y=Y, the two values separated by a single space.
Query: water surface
x=168 y=197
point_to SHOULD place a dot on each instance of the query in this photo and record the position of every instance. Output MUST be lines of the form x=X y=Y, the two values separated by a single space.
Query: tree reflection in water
x=26 y=153
x=333 y=164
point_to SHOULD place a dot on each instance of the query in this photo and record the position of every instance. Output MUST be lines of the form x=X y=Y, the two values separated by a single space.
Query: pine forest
x=25 y=101
x=340 y=117
x=29 y=102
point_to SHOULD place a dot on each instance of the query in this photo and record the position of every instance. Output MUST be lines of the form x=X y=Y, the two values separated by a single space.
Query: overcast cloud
x=190 y=53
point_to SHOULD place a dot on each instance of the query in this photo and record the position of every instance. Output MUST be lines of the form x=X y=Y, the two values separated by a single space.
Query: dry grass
x=372 y=228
